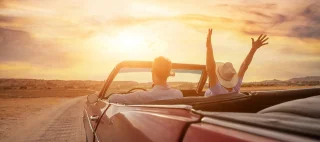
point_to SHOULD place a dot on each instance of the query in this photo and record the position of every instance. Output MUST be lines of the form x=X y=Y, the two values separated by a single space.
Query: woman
x=223 y=78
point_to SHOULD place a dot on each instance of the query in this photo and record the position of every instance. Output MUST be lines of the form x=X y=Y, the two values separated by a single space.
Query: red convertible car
x=284 y=115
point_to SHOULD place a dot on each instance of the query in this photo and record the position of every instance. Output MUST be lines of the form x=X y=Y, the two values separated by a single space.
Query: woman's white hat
x=226 y=74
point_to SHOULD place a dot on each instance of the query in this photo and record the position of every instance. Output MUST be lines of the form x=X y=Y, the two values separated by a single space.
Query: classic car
x=282 y=115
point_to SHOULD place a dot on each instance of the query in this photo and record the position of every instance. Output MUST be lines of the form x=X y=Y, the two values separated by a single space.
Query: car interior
x=245 y=102
x=250 y=102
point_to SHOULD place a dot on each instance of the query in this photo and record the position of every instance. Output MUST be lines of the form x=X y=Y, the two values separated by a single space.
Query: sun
x=123 y=42
x=128 y=45
x=126 y=42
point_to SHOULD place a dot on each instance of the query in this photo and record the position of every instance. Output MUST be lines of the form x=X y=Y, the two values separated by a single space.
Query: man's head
x=161 y=68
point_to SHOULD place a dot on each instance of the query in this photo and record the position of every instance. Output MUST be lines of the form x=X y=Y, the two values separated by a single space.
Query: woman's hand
x=209 y=45
x=260 y=42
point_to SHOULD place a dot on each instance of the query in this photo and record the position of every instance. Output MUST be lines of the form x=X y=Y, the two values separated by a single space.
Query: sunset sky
x=74 y=39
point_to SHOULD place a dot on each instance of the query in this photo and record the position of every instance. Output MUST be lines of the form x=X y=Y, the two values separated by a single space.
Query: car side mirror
x=92 y=98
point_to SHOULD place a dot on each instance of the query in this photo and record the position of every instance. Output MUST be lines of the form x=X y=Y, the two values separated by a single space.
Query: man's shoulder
x=176 y=91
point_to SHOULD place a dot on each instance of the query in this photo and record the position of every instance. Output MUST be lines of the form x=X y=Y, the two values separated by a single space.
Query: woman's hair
x=161 y=67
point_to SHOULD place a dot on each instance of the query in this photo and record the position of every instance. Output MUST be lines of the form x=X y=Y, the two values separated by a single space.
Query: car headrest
x=308 y=107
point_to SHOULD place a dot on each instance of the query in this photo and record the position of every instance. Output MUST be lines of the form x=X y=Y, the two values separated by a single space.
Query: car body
x=227 y=117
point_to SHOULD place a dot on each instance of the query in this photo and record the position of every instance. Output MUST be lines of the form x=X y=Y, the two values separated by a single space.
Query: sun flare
x=129 y=43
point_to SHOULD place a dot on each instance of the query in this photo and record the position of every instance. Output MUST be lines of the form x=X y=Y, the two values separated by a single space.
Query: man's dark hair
x=161 y=67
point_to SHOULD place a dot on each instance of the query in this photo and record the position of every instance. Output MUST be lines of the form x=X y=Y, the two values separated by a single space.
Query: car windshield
x=129 y=78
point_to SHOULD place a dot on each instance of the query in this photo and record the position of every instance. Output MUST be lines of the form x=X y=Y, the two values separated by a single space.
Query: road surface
x=59 y=123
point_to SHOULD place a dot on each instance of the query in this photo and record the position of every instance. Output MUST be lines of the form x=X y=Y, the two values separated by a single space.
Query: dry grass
x=43 y=93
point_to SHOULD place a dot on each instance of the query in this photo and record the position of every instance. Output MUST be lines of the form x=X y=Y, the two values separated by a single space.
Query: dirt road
x=62 y=122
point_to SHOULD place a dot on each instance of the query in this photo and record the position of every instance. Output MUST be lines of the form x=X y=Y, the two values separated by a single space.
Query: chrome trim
x=93 y=132
x=89 y=120
x=187 y=107
x=94 y=118
x=96 y=139
x=98 y=121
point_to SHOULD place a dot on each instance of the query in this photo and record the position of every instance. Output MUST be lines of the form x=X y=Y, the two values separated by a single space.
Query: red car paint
x=207 y=133
x=142 y=123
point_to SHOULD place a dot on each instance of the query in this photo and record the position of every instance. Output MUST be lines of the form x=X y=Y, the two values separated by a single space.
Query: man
x=223 y=78
x=161 y=69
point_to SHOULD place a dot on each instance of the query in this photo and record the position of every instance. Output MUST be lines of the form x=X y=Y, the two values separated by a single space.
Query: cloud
x=2 y=4
x=312 y=12
x=47 y=35
x=271 y=23
x=243 y=6
x=195 y=21
x=249 y=18
x=257 y=20
x=310 y=27
x=19 y=46
x=302 y=23
x=6 y=19
x=13 y=21
x=278 y=19
x=260 y=14
x=306 y=31
x=302 y=51
x=49 y=27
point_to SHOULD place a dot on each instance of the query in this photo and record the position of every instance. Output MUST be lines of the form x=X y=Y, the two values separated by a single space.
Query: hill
x=307 y=79
x=301 y=81
x=272 y=81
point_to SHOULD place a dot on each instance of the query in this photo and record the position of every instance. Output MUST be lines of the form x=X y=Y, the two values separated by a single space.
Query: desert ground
x=56 y=114
x=33 y=115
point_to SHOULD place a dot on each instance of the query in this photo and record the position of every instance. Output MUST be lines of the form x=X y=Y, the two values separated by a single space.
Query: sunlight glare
x=129 y=43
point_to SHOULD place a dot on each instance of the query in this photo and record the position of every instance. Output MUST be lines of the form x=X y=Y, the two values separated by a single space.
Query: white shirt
x=158 y=92
x=219 y=89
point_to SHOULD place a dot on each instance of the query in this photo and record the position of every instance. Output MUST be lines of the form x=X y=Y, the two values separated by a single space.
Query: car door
x=92 y=113
x=144 y=123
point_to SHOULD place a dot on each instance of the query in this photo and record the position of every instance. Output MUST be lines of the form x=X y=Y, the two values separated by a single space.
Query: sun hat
x=226 y=74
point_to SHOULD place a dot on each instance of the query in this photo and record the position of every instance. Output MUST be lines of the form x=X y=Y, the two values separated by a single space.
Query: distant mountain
x=307 y=78
x=272 y=81
x=301 y=81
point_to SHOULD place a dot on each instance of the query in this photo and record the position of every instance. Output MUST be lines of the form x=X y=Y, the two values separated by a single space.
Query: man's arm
x=210 y=62
x=255 y=46
x=130 y=98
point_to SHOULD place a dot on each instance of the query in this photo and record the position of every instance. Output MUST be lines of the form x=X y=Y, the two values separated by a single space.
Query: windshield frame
x=148 y=64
